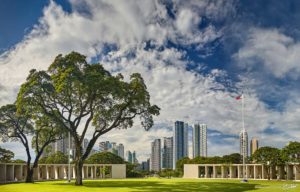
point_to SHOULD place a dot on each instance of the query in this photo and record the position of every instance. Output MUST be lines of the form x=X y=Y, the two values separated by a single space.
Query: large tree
x=6 y=155
x=85 y=98
x=268 y=156
x=291 y=153
x=20 y=127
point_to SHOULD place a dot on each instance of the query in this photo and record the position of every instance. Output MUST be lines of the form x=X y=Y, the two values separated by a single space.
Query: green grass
x=154 y=184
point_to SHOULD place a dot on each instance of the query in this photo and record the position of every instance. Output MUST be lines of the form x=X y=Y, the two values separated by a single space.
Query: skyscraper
x=134 y=159
x=120 y=149
x=180 y=141
x=167 y=159
x=244 y=143
x=200 y=140
x=129 y=156
x=253 y=145
x=155 y=162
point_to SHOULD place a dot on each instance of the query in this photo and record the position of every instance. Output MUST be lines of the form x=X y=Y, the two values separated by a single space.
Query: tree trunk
x=29 y=176
x=78 y=168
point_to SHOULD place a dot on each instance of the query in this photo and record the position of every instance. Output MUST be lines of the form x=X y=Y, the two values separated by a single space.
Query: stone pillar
x=214 y=171
x=263 y=172
x=18 y=172
x=231 y=172
x=47 y=173
x=66 y=172
x=239 y=171
x=297 y=172
x=289 y=172
x=280 y=171
x=255 y=172
x=206 y=171
x=248 y=171
x=74 y=172
x=222 y=172
x=273 y=172
x=95 y=170
x=55 y=172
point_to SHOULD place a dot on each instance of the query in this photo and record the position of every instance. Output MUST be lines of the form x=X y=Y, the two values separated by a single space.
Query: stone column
x=214 y=171
x=239 y=171
x=47 y=172
x=297 y=172
x=222 y=172
x=230 y=172
x=289 y=172
x=273 y=172
x=55 y=172
x=206 y=171
x=248 y=171
x=74 y=172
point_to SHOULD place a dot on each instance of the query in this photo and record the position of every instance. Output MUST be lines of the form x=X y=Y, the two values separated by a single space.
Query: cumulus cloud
x=133 y=36
x=277 y=52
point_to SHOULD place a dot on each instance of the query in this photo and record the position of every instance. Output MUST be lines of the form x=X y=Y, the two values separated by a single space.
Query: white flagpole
x=69 y=161
x=244 y=140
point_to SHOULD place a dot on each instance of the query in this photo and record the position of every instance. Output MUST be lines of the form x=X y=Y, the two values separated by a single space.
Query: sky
x=195 y=57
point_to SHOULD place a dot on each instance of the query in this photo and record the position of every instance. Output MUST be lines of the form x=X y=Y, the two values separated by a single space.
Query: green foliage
x=234 y=158
x=168 y=173
x=6 y=155
x=291 y=152
x=55 y=158
x=268 y=156
x=18 y=161
x=104 y=158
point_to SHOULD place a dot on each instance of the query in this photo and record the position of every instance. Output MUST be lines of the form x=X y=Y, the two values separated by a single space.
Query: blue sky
x=195 y=57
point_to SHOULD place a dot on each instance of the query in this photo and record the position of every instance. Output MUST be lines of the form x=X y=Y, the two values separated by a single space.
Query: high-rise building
x=145 y=166
x=120 y=149
x=253 y=145
x=62 y=145
x=180 y=141
x=167 y=159
x=200 y=140
x=129 y=156
x=155 y=162
x=244 y=143
x=134 y=159
x=105 y=146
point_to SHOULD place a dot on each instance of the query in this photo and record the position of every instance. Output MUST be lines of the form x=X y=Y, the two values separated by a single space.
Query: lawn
x=154 y=184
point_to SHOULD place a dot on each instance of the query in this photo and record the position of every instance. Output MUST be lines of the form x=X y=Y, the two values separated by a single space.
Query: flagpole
x=69 y=160
x=244 y=140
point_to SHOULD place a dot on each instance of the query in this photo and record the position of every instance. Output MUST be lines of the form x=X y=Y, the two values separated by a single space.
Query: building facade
x=155 y=161
x=200 y=140
x=120 y=149
x=180 y=142
x=244 y=143
x=167 y=155
x=253 y=145
x=129 y=156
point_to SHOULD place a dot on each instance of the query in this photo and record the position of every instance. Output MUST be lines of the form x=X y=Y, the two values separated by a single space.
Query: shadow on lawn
x=153 y=186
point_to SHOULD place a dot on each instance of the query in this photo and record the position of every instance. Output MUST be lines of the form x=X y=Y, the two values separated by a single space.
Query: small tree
x=19 y=127
x=86 y=98
x=6 y=155
x=291 y=153
x=269 y=157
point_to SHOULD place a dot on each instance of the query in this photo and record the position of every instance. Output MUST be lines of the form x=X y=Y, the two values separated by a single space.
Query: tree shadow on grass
x=153 y=186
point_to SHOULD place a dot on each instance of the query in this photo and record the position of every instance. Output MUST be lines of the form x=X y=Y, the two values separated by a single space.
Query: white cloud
x=278 y=53
x=129 y=26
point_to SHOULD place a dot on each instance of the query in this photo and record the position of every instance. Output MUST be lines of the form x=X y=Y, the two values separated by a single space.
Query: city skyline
x=195 y=58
